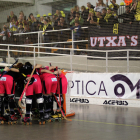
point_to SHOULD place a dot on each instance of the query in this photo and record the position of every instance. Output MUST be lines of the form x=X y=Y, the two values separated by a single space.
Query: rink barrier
x=105 y=101
x=71 y=63
x=113 y=89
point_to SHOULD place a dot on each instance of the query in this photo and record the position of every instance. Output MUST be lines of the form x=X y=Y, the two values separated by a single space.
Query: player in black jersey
x=7 y=88
x=34 y=87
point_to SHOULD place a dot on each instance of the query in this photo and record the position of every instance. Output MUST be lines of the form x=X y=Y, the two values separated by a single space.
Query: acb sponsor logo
x=79 y=100
x=115 y=102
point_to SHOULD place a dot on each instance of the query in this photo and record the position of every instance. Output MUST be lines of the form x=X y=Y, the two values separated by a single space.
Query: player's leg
x=10 y=91
x=57 y=95
x=1 y=107
x=47 y=98
x=47 y=106
x=11 y=103
x=53 y=91
x=28 y=101
x=2 y=91
x=40 y=102
x=28 y=108
x=5 y=102
x=58 y=111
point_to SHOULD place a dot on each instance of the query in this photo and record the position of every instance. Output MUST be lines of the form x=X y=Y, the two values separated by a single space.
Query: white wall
x=27 y=1
x=35 y=9
x=93 y=2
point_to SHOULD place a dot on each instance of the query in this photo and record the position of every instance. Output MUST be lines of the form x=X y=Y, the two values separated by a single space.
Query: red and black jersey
x=27 y=70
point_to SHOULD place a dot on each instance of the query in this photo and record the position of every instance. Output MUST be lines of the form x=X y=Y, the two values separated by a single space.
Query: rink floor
x=91 y=122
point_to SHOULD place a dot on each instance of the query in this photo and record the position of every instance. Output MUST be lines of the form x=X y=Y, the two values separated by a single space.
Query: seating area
x=101 y=15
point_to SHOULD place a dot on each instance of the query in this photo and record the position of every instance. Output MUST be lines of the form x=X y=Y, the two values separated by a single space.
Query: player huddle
x=44 y=83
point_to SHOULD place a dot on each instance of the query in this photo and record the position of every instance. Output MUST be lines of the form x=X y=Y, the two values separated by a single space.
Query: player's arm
x=14 y=70
x=48 y=71
x=5 y=69
x=52 y=67
x=37 y=66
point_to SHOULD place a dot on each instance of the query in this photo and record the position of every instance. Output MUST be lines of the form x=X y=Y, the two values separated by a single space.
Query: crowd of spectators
x=101 y=15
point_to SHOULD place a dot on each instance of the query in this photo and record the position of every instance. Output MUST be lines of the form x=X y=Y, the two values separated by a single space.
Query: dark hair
x=83 y=7
x=77 y=13
x=5 y=28
x=31 y=14
x=46 y=20
x=61 y=17
x=18 y=65
x=13 y=18
x=28 y=64
x=104 y=9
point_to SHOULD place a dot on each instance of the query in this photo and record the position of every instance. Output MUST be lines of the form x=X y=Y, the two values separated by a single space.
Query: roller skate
x=17 y=113
x=47 y=117
x=42 y=120
x=1 y=120
x=35 y=113
x=13 y=119
x=57 y=116
x=26 y=121
x=10 y=118
x=7 y=119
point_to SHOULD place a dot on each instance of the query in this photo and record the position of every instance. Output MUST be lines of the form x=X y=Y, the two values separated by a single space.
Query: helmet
x=122 y=4
x=44 y=15
x=38 y=15
x=49 y=14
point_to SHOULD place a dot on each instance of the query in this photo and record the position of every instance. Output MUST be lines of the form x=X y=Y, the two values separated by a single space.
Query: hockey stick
x=19 y=102
x=58 y=87
x=58 y=92
x=61 y=108
x=9 y=67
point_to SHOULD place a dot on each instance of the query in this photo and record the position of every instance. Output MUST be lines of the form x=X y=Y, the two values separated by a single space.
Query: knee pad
x=29 y=99
x=39 y=98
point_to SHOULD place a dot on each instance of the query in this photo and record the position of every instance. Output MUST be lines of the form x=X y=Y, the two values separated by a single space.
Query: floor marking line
x=106 y=123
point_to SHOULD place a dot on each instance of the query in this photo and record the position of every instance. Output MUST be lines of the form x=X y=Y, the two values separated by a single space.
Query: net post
x=87 y=65
x=127 y=61
x=38 y=46
x=8 y=55
x=71 y=52
x=34 y=55
x=106 y=61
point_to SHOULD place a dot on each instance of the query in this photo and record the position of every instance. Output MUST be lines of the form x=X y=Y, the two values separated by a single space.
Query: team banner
x=104 y=88
x=119 y=36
